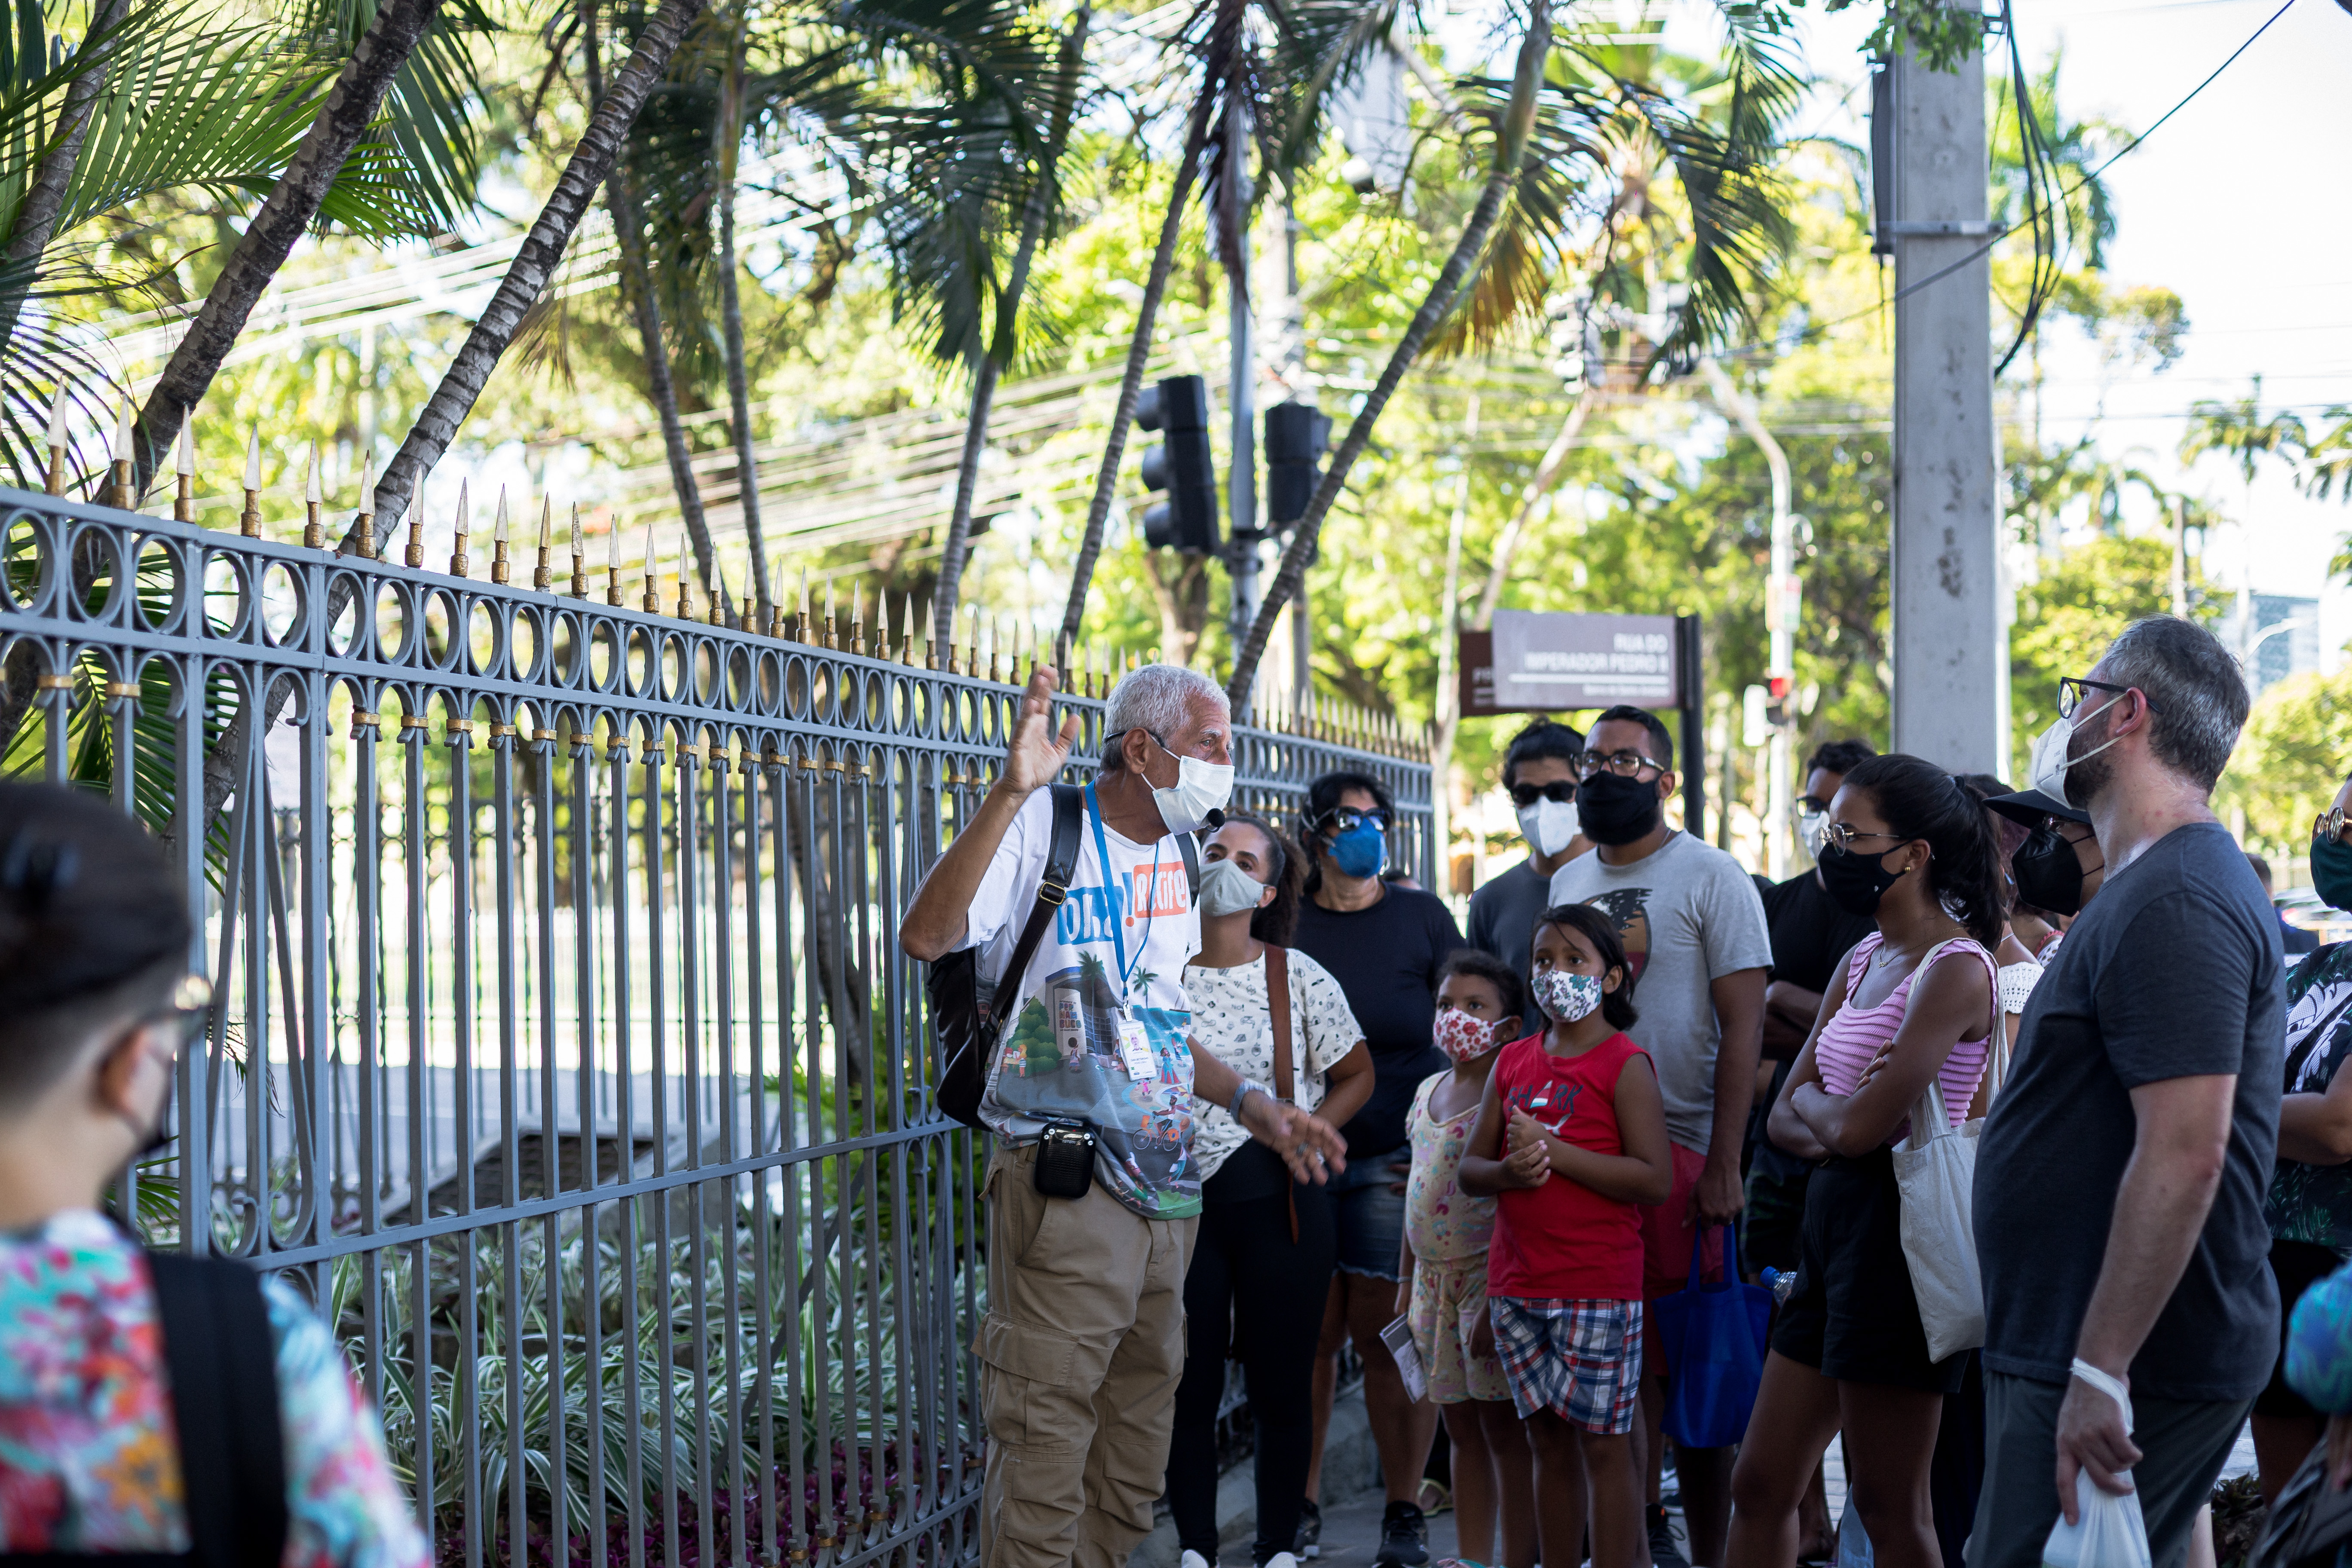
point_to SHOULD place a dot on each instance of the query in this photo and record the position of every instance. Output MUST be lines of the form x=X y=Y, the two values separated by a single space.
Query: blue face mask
x=1361 y=851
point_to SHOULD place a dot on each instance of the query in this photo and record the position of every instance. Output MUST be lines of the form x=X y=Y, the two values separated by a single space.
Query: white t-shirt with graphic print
x=1231 y=1019
x=1118 y=939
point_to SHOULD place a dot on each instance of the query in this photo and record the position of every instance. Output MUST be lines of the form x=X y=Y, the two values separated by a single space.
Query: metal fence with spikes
x=561 y=1048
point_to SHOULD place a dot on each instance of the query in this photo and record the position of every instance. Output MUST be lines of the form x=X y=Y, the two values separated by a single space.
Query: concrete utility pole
x=1928 y=140
x=1241 y=484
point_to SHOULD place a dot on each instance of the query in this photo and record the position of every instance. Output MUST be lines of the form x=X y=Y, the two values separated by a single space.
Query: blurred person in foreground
x=149 y=1405
x=2118 y=1203
x=1694 y=934
x=1539 y=775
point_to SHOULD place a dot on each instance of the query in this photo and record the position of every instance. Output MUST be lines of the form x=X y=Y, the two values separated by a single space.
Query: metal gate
x=561 y=1044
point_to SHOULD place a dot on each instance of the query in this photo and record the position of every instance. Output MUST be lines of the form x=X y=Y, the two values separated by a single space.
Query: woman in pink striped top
x=1912 y=1005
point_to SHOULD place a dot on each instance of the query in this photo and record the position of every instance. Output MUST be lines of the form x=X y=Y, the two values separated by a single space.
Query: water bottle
x=1781 y=1284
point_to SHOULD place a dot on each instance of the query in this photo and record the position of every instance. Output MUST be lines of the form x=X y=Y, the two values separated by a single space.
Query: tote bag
x=1936 y=1173
x=1713 y=1336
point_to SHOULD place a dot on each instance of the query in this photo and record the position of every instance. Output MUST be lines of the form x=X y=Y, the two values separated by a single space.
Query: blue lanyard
x=1111 y=882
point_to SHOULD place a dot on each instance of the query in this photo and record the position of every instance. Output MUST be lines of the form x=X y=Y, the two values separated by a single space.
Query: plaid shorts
x=1580 y=1360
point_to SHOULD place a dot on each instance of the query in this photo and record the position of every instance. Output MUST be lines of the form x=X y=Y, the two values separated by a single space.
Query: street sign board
x=1558 y=662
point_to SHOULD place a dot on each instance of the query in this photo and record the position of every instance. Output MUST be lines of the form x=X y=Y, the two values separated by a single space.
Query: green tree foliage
x=2291 y=759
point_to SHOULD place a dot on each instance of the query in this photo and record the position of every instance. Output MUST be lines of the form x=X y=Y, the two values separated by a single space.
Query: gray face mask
x=1227 y=890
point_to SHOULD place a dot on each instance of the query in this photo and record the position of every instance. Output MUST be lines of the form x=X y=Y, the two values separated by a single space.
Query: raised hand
x=1037 y=755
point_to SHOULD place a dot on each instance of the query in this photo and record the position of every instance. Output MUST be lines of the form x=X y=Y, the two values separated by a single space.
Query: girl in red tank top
x=1572 y=1139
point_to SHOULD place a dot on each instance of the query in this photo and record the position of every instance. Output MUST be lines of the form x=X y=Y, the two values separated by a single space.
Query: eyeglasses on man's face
x=188 y=1012
x=2330 y=824
x=1625 y=764
x=1561 y=791
x=2074 y=690
x=1809 y=809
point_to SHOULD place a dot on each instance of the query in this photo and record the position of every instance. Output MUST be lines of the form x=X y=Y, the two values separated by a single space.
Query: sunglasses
x=1343 y=818
x=1561 y=791
x=2330 y=824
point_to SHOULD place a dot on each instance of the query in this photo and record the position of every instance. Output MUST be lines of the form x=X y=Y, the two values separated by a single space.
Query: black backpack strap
x=1061 y=865
x=1191 y=854
x=222 y=1363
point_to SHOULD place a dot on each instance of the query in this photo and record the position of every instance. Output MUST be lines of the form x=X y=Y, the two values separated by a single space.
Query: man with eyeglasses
x=1539 y=775
x=1695 y=934
x=2120 y=1176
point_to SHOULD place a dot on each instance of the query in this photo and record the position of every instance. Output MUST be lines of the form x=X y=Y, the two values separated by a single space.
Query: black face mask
x=2047 y=875
x=1617 y=810
x=1856 y=881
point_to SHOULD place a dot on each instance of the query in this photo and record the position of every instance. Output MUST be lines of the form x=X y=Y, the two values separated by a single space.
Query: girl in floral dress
x=1443 y=1269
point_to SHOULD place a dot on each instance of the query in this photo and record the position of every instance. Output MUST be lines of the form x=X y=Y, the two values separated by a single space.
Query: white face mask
x=1227 y=890
x=1201 y=789
x=1813 y=828
x=2050 y=759
x=1550 y=826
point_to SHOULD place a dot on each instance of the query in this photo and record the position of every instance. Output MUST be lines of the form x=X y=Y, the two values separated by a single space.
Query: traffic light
x=1297 y=437
x=1179 y=408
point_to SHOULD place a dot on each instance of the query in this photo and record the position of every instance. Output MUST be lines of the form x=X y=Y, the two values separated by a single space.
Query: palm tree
x=1040 y=208
x=36 y=218
x=534 y=265
x=1551 y=134
x=728 y=145
x=269 y=238
x=637 y=283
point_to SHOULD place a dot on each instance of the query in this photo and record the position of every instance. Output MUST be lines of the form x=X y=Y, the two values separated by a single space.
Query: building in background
x=2283 y=639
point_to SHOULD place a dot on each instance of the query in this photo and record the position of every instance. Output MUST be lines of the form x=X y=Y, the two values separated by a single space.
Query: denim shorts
x=1369 y=1218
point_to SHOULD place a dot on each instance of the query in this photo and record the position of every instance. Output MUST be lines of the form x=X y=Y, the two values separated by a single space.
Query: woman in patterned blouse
x=95 y=998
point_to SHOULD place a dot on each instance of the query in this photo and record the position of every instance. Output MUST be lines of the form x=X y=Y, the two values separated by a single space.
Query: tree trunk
x=36 y=219
x=292 y=203
x=1510 y=151
x=534 y=265
x=999 y=351
x=730 y=315
x=527 y=277
x=1139 y=353
x=637 y=279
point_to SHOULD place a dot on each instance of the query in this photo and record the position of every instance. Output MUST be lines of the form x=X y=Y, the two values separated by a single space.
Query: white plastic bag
x=2111 y=1533
x=1398 y=1337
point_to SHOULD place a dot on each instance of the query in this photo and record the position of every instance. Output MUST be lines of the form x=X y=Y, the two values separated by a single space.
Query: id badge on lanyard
x=1134 y=1043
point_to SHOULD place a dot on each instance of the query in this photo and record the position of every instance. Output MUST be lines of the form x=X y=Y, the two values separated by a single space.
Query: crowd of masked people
x=1318 y=1110
x=1253 y=1098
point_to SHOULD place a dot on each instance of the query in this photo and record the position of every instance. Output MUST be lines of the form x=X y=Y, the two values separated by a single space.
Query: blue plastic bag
x=1713 y=1338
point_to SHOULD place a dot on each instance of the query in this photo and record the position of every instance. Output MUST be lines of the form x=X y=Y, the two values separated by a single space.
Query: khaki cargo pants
x=1081 y=1352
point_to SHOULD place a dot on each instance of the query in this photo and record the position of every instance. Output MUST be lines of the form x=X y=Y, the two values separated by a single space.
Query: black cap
x=2029 y=807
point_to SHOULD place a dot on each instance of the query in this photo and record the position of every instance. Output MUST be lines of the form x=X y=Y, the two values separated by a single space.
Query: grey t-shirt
x=2172 y=971
x=1688 y=916
x=1503 y=916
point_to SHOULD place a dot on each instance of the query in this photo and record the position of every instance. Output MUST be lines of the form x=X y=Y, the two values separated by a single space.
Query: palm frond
x=223 y=115
x=429 y=114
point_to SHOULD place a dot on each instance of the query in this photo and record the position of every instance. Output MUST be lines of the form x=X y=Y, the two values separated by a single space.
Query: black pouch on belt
x=1065 y=1160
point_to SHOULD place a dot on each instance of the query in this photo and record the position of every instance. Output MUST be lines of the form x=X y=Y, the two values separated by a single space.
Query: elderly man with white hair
x=1083 y=1345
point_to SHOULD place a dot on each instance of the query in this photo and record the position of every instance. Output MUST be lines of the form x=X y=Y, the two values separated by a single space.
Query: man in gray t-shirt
x=1695 y=934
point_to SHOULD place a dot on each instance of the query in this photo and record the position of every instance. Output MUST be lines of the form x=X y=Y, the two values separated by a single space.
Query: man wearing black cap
x=2058 y=867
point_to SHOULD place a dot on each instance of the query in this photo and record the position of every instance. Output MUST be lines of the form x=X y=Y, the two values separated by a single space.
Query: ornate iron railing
x=562 y=1046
